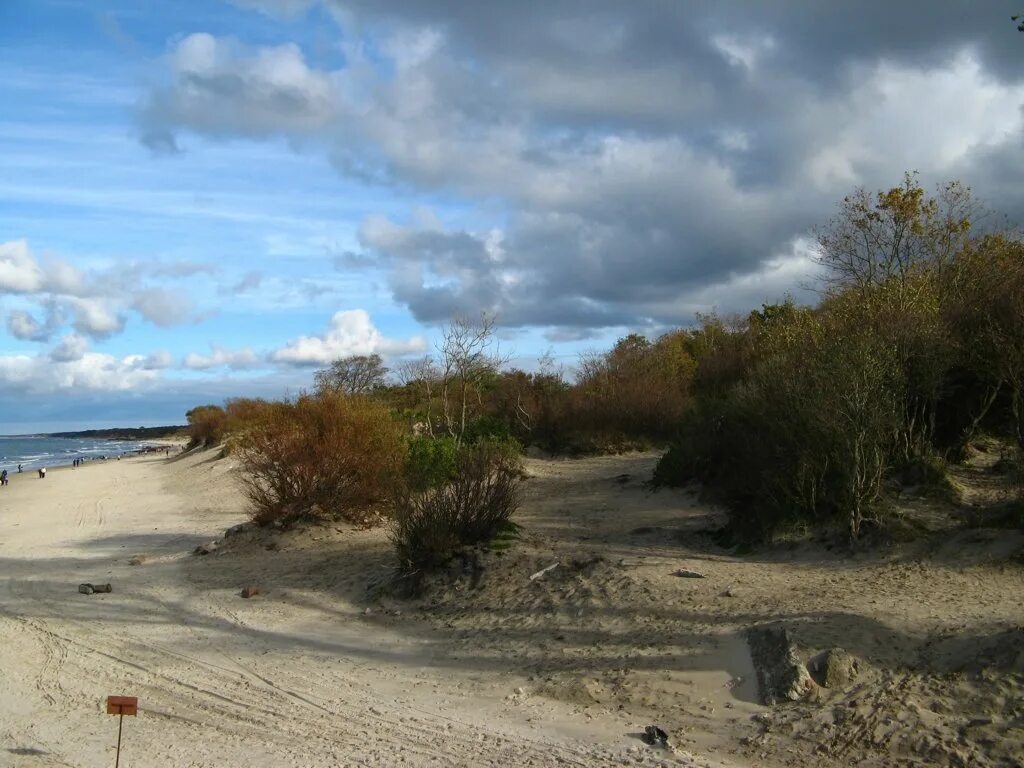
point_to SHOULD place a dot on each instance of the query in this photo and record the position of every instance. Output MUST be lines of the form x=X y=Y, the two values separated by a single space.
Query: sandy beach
x=494 y=668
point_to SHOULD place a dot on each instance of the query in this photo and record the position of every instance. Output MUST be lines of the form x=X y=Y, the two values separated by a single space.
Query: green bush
x=430 y=527
x=431 y=462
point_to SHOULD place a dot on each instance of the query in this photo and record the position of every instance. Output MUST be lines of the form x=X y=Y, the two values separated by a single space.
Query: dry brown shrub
x=326 y=455
x=207 y=425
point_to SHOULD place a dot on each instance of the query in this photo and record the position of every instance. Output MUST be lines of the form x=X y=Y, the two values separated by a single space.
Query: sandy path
x=298 y=678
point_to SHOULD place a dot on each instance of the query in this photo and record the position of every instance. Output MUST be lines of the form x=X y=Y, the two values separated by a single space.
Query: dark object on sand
x=88 y=589
x=250 y=591
x=654 y=736
x=780 y=675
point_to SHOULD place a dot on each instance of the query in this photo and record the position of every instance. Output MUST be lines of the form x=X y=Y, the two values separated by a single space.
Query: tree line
x=789 y=416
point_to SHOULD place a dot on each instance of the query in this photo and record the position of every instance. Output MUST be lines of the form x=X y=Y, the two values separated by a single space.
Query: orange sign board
x=122 y=705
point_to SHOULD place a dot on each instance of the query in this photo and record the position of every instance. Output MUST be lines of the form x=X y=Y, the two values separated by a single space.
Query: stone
x=88 y=589
x=248 y=592
x=685 y=573
x=205 y=549
x=834 y=668
x=235 y=530
x=137 y=559
x=780 y=675
x=654 y=735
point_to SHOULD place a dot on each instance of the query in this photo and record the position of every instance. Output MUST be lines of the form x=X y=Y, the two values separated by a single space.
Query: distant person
x=3 y=478
x=42 y=473
x=19 y=467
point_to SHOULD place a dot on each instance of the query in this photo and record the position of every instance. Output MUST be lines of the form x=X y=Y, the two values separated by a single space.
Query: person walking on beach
x=42 y=473
x=19 y=467
x=3 y=478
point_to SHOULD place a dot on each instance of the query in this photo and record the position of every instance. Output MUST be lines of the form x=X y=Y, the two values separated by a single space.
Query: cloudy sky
x=209 y=198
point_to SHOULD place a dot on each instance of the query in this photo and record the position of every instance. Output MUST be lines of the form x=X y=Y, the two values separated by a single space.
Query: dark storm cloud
x=651 y=159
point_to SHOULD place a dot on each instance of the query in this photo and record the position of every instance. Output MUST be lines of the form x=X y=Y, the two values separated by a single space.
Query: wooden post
x=120 y=722
x=121 y=706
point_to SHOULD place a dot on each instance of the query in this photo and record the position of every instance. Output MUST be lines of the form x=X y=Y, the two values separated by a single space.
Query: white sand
x=562 y=670
x=296 y=677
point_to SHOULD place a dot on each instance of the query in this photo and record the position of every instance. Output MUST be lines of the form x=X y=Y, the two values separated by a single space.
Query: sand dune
x=491 y=667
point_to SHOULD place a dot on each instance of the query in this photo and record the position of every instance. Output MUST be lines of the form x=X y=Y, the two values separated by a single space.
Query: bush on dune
x=430 y=526
x=799 y=413
x=431 y=462
x=805 y=437
x=327 y=455
x=207 y=425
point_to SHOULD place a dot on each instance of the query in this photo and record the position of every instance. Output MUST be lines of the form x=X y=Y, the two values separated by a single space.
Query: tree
x=353 y=375
x=468 y=357
x=424 y=377
x=891 y=236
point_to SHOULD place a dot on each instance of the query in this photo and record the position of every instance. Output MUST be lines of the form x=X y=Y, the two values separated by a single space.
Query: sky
x=204 y=199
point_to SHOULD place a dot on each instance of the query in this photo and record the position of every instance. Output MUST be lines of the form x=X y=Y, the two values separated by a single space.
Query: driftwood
x=541 y=572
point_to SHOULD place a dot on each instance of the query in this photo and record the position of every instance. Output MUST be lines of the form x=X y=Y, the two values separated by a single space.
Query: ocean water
x=34 y=452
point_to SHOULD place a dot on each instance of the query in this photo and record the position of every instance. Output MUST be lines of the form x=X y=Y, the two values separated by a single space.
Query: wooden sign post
x=121 y=706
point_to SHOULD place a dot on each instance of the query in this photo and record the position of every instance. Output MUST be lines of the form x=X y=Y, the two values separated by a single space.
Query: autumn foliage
x=320 y=456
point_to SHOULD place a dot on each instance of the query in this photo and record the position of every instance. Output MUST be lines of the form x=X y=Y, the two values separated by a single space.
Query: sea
x=35 y=451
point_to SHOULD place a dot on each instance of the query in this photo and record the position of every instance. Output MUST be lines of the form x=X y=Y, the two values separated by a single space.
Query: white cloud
x=158 y=361
x=222 y=358
x=351 y=332
x=24 y=326
x=162 y=307
x=224 y=87
x=93 y=317
x=95 y=303
x=637 y=158
x=92 y=372
x=744 y=51
x=897 y=117
x=19 y=272
x=72 y=347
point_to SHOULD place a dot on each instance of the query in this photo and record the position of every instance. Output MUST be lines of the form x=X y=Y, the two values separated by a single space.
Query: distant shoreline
x=120 y=433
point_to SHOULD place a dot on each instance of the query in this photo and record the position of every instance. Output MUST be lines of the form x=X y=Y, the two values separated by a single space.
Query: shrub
x=929 y=472
x=677 y=467
x=804 y=436
x=431 y=526
x=431 y=462
x=327 y=455
x=206 y=425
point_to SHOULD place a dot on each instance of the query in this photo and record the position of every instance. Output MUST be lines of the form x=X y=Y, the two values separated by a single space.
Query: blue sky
x=206 y=199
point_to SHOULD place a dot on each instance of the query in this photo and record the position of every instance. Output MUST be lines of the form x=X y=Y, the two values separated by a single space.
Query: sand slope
x=491 y=667
x=298 y=677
